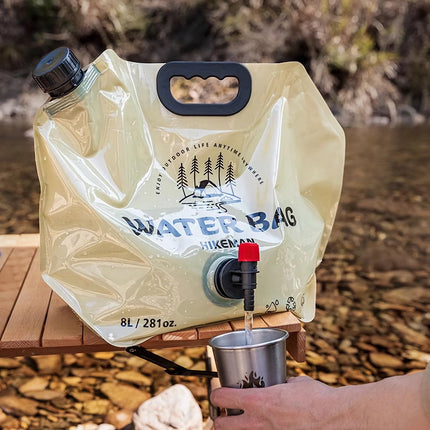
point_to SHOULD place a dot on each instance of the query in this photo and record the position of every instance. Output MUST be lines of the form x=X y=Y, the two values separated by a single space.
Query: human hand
x=395 y=403
x=299 y=404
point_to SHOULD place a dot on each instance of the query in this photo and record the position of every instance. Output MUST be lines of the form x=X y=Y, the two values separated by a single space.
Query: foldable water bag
x=143 y=198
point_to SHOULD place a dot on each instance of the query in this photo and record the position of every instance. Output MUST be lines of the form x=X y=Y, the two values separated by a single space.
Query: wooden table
x=34 y=320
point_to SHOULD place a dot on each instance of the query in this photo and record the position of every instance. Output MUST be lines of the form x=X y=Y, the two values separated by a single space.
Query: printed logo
x=206 y=183
x=291 y=304
x=252 y=381
x=213 y=189
x=273 y=307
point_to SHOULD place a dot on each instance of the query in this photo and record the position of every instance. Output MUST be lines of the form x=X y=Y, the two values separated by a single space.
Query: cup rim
x=284 y=336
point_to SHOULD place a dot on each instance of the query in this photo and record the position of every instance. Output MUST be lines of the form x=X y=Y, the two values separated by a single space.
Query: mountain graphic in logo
x=207 y=193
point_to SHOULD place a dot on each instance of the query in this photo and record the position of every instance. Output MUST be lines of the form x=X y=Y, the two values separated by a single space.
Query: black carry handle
x=170 y=367
x=204 y=70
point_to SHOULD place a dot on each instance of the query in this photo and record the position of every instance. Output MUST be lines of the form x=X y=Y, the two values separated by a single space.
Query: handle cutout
x=204 y=70
x=209 y=91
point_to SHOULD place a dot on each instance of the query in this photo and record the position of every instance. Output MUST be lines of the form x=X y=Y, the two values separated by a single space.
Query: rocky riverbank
x=369 y=60
x=62 y=392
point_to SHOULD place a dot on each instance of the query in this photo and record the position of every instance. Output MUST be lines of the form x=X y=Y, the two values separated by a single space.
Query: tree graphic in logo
x=206 y=193
x=219 y=166
x=229 y=178
x=194 y=169
x=208 y=167
x=182 y=182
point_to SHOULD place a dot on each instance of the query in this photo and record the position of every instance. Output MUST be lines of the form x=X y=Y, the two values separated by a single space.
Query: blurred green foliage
x=366 y=57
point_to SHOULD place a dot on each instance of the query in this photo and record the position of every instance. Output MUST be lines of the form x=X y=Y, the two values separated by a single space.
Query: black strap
x=204 y=69
x=169 y=366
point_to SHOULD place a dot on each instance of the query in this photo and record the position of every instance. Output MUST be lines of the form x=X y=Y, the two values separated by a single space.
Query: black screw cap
x=59 y=72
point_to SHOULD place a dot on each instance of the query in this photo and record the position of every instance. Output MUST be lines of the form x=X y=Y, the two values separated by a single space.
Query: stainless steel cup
x=260 y=364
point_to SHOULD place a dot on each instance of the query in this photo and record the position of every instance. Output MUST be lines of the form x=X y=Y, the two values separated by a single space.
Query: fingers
x=295 y=379
x=231 y=398
x=232 y=423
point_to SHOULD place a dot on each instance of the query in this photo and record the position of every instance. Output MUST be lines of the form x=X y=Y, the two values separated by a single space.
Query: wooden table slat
x=12 y=275
x=4 y=253
x=285 y=319
x=182 y=335
x=296 y=345
x=208 y=331
x=64 y=334
x=26 y=321
x=91 y=338
x=20 y=240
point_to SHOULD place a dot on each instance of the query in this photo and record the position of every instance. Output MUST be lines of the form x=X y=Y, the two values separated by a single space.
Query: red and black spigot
x=237 y=278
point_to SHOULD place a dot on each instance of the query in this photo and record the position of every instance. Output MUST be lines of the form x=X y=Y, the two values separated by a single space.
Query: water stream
x=249 y=321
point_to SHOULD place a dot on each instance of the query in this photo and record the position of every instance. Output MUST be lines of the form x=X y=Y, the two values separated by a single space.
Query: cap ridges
x=59 y=72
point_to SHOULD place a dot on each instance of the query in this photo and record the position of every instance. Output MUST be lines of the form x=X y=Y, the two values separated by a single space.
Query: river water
x=384 y=212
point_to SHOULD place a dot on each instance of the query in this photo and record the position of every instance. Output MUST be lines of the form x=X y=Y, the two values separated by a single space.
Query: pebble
x=412 y=336
x=328 y=378
x=184 y=361
x=62 y=403
x=195 y=353
x=9 y=363
x=354 y=375
x=120 y=418
x=3 y=416
x=135 y=362
x=314 y=358
x=413 y=354
x=34 y=384
x=73 y=381
x=200 y=365
x=11 y=423
x=44 y=394
x=381 y=359
x=134 y=377
x=96 y=407
x=408 y=295
x=104 y=355
x=93 y=426
x=82 y=396
x=48 y=364
x=124 y=396
x=18 y=406
x=174 y=408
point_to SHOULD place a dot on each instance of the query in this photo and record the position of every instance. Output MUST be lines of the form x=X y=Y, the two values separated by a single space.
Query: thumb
x=232 y=398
